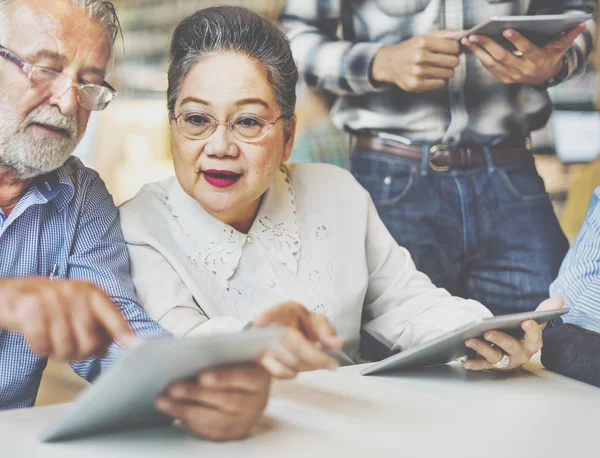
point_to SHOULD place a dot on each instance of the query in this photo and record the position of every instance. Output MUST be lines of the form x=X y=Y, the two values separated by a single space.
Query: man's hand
x=220 y=405
x=419 y=64
x=64 y=319
x=536 y=65
x=519 y=351
x=298 y=349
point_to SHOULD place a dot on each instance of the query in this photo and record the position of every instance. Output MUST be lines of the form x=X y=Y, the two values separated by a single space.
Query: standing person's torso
x=474 y=108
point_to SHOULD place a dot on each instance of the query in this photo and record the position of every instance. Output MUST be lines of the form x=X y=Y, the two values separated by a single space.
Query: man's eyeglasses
x=245 y=127
x=94 y=97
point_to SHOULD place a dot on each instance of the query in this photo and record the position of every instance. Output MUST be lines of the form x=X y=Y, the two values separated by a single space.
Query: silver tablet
x=451 y=346
x=123 y=397
x=538 y=29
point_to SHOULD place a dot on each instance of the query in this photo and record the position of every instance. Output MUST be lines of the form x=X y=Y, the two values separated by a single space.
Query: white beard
x=28 y=153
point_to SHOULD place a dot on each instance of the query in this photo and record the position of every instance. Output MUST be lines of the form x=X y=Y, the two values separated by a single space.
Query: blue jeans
x=488 y=234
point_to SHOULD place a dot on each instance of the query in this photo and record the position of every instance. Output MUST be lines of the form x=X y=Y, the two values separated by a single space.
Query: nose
x=221 y=144
x=65 y=98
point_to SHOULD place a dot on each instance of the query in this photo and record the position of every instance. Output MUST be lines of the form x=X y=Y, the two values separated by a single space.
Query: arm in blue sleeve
x=578 y=281
x=573 y=347
x=572 y=351
x=99 y=255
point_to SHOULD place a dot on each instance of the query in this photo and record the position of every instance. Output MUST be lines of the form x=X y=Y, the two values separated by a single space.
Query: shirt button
x=272 y=284
x=387 y=180
x=249 y=239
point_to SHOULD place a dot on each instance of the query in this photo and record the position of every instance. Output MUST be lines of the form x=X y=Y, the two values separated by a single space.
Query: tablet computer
x=538 y=29
x=451 y=346
x=123 y=397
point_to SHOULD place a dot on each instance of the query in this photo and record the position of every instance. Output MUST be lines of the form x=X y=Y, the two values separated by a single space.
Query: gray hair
x=101 y=11
x=222 y=29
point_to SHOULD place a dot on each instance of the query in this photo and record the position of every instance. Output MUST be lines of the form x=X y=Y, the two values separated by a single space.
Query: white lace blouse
x=317 y=239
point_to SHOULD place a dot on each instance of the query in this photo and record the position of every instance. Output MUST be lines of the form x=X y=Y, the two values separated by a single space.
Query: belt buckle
x=433 y=149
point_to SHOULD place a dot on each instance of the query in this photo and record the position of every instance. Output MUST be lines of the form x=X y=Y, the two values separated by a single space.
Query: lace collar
x=219 y=247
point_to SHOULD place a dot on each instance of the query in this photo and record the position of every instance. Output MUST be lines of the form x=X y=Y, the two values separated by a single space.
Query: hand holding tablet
x=539 y=30
x=227 y=402
x=452 y=345
x=540 y=62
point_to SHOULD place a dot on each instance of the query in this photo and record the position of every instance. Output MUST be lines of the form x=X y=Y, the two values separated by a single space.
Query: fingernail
x=468 y=344
x=208 y=379
x=508 y=33
x=127 y=340
x=162 y=404
x=332 y=341
x=333 y=365
x=488 y=336
x=177 y=391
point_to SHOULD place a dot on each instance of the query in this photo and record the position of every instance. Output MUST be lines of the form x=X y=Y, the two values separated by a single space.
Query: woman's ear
x=290 y=133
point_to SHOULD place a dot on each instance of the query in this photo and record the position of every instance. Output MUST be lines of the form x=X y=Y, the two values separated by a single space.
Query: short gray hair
x=221 y=29
x=98 y=10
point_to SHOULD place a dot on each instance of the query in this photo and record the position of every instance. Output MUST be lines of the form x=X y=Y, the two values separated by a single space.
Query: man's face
x=40 y=129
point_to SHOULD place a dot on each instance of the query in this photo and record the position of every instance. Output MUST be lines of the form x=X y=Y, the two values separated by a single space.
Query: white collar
x=219 y=246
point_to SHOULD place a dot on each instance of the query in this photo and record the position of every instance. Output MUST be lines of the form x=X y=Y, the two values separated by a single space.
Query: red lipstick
x=221 y=178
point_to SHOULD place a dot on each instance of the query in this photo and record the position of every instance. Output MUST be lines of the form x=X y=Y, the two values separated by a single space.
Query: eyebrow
x=60 y=58
x=239 y=103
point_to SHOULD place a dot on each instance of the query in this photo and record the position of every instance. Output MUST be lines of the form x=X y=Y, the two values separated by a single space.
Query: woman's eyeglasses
x=94 y=97
x=245 y=127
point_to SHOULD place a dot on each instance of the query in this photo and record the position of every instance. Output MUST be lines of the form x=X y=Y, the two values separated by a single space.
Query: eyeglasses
x=245 y=127
x=94 y=97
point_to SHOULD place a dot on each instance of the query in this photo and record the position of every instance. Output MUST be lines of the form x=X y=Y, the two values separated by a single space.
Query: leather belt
x=443 y=157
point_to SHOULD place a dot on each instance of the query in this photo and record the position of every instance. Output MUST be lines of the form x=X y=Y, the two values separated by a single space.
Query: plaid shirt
x=66 y=219
x=474 y=108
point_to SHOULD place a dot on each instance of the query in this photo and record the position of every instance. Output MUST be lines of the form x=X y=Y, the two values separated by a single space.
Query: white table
x=436 y=412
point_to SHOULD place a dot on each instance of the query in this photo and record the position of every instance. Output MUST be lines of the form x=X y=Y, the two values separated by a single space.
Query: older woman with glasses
x=239 y=231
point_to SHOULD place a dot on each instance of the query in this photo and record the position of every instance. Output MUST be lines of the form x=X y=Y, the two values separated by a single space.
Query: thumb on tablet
x=565 y=40
x=553 y=303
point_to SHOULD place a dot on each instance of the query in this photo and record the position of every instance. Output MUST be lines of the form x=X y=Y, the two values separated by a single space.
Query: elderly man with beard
x=64 y=271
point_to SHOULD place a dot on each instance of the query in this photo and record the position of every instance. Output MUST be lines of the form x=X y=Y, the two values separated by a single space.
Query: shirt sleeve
x=403 y=308
x=572 y=351
x=324 y=61
x=577 y=56
x=99 y=255
x=578 y=281
x=166 y=298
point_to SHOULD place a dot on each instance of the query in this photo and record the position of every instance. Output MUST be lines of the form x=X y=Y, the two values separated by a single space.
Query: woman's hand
x=504 y=352
x=302 y=346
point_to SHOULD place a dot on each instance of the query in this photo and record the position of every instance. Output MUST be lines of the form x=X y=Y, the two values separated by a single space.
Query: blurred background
x=128 y=142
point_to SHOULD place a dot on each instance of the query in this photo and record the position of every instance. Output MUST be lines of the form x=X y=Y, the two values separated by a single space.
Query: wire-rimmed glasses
x=95 y=97
x=246 y=127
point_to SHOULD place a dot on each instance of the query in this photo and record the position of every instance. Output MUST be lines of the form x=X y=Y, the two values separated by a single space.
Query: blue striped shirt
x=578 y=280
x=66 y=219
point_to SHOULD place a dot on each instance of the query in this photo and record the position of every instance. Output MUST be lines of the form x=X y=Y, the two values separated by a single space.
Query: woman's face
x=225 y=175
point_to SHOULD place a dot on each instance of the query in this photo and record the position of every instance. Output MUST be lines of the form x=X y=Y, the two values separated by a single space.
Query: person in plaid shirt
x=441 y=131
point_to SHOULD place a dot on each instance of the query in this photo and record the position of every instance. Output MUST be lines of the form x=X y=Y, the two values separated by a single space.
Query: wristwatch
x=560 y=76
